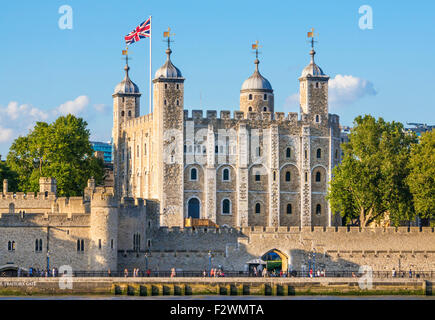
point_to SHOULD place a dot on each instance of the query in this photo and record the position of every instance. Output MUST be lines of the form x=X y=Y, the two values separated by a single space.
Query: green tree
x=60 y=150
x=11 y=176
x=421 y=179
x=371 y=180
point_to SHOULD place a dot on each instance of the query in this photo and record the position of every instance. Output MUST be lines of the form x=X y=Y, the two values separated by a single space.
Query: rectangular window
x=148 y=243
x=99 y=243
x=111 y=244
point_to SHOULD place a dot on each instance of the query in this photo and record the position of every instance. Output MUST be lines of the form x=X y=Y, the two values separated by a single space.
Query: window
x=99 y=243
x=306 y=177
x=164 y=102
x=148 y=243
x=129 y=113
x=258 y=151
x=145 y=149
x=250 y=97
x=274 y=176
x=136 y=242
x=80 y=245
x=318 y=209
x=216 y=149
x=319 y=153
x=226 y=174
x=257 y=176
x=178 y=86
x=318 y=176
x=193 y=174
x=166 y=86
x=111 y=244
x=11 y=245
x=289 y=208
x=178 y=102
x=265 y=109
x=250 y=109
x=317 y=118
x=265 y=97
x=137 y=151
x=317 y=84
x=38 y=245
x=306 y=154
x=288 y=152
x=257 y=208
x=226 y=206
x=122 y=113
x=287 y=176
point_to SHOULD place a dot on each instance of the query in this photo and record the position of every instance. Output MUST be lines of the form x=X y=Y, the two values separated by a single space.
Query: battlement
x=294 y=230
x=133 y=122
x=198 y=115
x=130 y=202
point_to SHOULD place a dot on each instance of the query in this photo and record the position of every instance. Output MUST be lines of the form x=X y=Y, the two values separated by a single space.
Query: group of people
x=135 y=273
x=214 y=272
x=36 y=272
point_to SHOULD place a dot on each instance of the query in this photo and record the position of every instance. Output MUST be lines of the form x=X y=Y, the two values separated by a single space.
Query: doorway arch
x=193 y=208
x=277 y=257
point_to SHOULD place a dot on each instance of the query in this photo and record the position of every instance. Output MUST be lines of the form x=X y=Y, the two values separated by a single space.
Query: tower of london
x=195 y=189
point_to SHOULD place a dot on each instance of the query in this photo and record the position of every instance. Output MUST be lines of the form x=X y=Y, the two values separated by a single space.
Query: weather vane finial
x=255 y=47
x=168 y=34
x=311 y=35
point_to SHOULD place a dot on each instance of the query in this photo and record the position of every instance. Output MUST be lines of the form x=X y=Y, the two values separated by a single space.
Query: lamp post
x=209 y=260
x=48 y=261
x=147 y=254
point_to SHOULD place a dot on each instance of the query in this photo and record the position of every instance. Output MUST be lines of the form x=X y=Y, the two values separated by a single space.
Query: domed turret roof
x=126 y=86
x=168 y=70
x=312 y=70
x=256 y=81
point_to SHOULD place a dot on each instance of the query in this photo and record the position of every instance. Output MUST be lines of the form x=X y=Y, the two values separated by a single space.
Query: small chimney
x=91 y=183
x=5 y=186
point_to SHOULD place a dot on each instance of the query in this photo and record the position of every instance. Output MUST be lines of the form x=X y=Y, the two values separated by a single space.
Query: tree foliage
x=421 y=179
x=11 y=176
x=60 y=150
x=371 y=180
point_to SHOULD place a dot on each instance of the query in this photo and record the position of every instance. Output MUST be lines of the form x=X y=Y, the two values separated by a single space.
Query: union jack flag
x=142 y=31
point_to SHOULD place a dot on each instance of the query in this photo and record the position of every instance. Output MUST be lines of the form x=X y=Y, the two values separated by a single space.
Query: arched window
x=318 y=176
x=145 y=149
x=265 y=97
x=289 y=208
x=129 y=113
x=226 y=174
x=82 y=245
x=250 y=97
x=288 y=152
x=257 y=176
x=178 y=102
x=122 y=113
x=257 y=208
x=287 y=176
x=178 y=86
x=216 y=149
x=78 y=245
x=265 y=109
x=319 y=153
x=317 y=118
x=226 y=206
x=250 y=109
x=318 y=209
x=166 y=86
x=193 y=174
x=9 y=246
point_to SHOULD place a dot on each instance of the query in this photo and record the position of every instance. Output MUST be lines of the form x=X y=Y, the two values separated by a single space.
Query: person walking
x=393 y=273
x=148 y=272
x=125 y=273
x=172 y=272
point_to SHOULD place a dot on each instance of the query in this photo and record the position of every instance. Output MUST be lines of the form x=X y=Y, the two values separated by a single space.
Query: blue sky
x=45 y=71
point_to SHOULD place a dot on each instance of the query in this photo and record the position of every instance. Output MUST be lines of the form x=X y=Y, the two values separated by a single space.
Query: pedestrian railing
x=229 y=274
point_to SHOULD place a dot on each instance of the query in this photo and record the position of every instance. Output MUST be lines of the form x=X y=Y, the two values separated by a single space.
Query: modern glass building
x=105 y=147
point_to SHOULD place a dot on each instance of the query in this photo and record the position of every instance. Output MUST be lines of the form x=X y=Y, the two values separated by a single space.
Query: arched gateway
x=275 y=260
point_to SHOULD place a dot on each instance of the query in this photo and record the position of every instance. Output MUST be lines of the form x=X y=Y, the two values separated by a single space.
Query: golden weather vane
x=311 y=35
x=168 y=34
x=255 y=47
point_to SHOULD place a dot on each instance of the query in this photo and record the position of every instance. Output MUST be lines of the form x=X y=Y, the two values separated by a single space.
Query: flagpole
x=151 y=38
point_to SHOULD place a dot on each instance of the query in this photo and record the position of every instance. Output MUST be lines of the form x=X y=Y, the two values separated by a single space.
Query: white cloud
x=100 y=107
x=75 y=106
x=5 y=134
x=346 y=89
x=15 y=111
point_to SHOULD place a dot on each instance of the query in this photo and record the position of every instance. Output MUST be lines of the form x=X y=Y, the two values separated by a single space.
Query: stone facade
x=261 y=176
